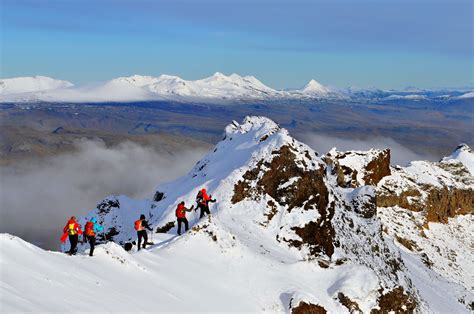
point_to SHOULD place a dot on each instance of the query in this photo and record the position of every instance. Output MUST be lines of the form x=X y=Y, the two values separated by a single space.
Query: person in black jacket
x=140 y=225
x=203 y=200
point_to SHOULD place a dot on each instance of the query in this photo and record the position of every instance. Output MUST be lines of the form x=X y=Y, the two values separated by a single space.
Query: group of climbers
x=202 y=200
x=92 y=228
x=73 y=230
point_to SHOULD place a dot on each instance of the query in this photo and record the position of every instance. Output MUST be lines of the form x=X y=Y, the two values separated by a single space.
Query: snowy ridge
x=463 y=154
x=285 y=230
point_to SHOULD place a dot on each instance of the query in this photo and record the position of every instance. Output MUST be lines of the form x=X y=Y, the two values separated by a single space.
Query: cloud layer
x=37 y=198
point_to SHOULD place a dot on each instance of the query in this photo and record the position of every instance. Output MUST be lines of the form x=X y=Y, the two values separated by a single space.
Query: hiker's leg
x=70 y=243
x=92 y=243
x=139 y=233
x=179 y=226
x=186 y=224
x=145 y=238
x=74 y=239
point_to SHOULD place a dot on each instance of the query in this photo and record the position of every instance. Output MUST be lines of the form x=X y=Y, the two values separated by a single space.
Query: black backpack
x=199 y=197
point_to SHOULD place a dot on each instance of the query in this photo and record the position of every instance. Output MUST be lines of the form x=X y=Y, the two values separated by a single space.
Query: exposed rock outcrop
x=438 y=190
x=358 y=168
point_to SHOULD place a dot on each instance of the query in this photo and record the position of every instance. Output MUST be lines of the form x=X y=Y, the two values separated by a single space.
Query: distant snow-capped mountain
x=30 y=84
x=315 y=88
x=139 y=88
x=467 y=95
x=216 y=88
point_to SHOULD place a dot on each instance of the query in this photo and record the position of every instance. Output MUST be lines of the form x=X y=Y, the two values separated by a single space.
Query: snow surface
x=449 y=249
x=191 y=273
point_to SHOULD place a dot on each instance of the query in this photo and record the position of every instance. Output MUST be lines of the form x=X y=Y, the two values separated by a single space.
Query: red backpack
x=89 y=228
x=180 y=212
x=138 y=225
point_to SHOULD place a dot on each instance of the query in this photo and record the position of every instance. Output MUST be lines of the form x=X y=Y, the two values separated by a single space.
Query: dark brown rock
x=396 y=301
x=309 y=192
x=167 y=227
x=352 y=306
x=378 y=168
x=441 y=203
x=308 y=308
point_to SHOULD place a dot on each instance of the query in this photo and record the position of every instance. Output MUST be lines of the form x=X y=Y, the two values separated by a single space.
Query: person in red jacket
x=181 y=215
x=203 y=202
x=73 y=229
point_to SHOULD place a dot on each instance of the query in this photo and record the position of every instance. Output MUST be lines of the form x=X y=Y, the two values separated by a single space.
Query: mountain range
x=216 y=88
x=292 y=231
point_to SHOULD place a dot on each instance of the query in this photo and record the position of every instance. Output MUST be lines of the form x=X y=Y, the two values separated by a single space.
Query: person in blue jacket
x=91 y=230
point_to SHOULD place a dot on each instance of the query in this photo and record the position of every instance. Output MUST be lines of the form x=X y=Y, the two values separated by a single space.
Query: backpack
x=180 y=212
x=138 y=225
x=71 y=228
x=89 y=228
x=199 y=197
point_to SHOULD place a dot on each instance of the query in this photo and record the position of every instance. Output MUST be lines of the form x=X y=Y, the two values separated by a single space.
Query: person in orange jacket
x=203 y=202
x=73 y=229
x=181 y=216
x=140 y=225
x=91 y=229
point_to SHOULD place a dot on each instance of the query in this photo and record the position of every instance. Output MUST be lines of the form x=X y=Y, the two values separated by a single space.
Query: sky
x=366 y=43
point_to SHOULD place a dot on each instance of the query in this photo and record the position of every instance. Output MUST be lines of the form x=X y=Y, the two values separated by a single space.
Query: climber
x=203 y=202
x=181 y=215
x=140 y=226
x=73 y=229
x=90 y=231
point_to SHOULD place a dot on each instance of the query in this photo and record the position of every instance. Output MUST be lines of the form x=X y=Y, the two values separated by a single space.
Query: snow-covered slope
x=427 y=208
x=20 y=85
x=462 y=154
x=286 y=233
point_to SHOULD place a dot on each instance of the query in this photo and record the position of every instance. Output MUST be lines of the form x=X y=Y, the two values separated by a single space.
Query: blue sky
x=382 y=43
